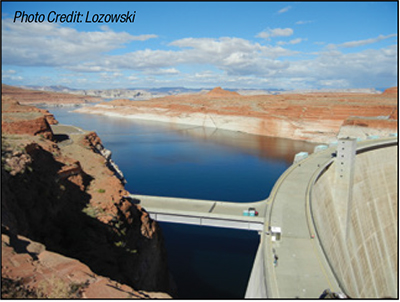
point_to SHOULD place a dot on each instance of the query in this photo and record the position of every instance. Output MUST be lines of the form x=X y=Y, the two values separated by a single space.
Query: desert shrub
x=53 y=288
x=91 y=211
x=56 y=288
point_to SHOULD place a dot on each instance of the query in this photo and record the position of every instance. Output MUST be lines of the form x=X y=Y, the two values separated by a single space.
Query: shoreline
x=273 y=127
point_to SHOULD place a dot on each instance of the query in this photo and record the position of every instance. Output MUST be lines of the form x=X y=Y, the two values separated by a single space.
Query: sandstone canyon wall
x=66 y=219
x=316 y=117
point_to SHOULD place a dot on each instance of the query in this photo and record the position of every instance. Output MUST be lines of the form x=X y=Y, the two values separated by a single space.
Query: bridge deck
x=204 y=212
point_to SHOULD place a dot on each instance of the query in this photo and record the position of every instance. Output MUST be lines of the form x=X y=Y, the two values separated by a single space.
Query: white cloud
x=10 y=75
x=367 y=41
x=133 y=78
x=229 y=61
x=275 y=32
x=46 y=44
x=338 y=83
x=91 y=67
x=294 y=41
x=233 y=55
x=302 y=22
x=220 y=46
x=162 y=71
x=330 y=69
x=284 y=10
x=110 y=76
x=369 y=68
x=143 y=37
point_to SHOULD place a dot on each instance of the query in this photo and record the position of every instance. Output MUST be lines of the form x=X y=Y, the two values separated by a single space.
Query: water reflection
x=261 y=146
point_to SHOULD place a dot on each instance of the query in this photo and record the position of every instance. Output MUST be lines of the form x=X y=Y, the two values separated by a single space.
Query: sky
x=235 y=45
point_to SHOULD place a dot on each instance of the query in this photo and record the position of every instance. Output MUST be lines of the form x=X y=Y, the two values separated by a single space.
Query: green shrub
x=91 y=211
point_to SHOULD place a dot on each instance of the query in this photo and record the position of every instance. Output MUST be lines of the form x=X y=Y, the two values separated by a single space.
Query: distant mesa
x=218 y=91
x=390 y=91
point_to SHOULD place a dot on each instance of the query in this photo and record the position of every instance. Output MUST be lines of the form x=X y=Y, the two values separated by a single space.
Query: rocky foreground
x=315 y=117
x=68 y=230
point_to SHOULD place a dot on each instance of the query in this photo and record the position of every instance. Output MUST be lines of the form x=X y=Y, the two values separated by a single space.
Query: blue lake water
x=195 y=162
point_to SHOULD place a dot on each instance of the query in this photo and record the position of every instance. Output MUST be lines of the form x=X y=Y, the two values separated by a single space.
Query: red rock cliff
x=18 y=119
x=65 y=199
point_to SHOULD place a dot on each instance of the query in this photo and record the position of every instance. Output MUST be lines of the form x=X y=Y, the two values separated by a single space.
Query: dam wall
x=359 y=232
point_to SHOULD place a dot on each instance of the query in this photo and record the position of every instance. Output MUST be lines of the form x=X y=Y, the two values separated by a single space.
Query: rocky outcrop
x=36 y=126
x=91 y=140
x=44 y=274
x=18 y=119
x=366 y=126
x=219 y=92
x=65 y=198
x=392 y=91
x=70 y=170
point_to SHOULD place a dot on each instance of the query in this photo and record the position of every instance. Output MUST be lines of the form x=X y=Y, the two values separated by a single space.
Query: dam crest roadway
x=303 y=269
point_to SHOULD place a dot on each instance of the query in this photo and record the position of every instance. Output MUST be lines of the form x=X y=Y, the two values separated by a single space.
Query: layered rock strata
x=17 y=119
x=316 y=117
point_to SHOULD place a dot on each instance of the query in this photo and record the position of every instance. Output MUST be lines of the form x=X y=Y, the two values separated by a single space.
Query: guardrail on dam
x=339 y=226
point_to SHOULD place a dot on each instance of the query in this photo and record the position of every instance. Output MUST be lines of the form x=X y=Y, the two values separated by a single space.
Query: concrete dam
x=337 y=216
x=357 y=222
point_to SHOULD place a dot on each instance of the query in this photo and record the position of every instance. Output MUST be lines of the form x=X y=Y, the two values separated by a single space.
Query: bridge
x=204 y=212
